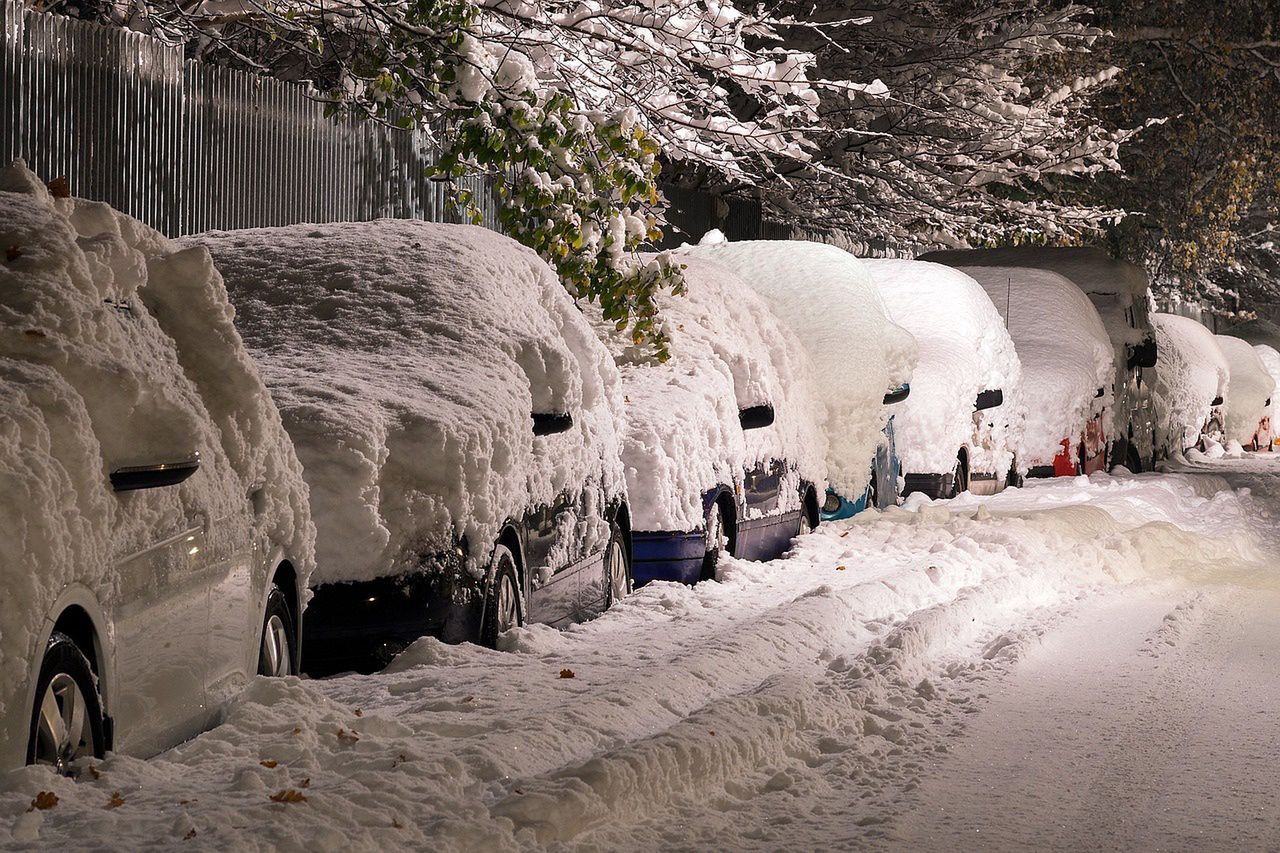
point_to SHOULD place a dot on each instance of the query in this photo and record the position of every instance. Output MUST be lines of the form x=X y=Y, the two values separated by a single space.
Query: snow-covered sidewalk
x=923 y=675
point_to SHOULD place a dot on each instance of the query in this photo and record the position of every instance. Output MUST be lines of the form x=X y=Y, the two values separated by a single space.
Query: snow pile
x=1065 y=353
x=407 y=358
x=1271 y=361
x=825 y=296
x=683 y=436
x=812 y=694
x=964 y=350
x=1248 y=390
x=1190 y=374
x=118 y=350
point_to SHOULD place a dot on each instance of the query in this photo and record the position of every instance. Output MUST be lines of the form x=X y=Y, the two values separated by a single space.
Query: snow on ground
x=818 y=699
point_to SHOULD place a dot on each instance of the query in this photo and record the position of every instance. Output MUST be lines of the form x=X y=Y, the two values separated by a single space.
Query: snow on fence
x=187 y=147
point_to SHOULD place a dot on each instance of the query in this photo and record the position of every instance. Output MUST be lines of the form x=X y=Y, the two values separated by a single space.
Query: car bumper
x=665 y=556
x=361 y=626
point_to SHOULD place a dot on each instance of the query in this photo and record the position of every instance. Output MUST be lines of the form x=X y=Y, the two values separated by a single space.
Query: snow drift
x=1191 y=373
x=683 y=436
x=407 y=358
x=1065 y=353
x=118 y=350
x=1249 y=388
x=964 y=350
x=826 y=298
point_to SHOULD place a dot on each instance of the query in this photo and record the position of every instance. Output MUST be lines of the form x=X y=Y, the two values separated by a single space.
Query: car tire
x=503 y=606
x=66 y=720
x=959 y=479
x=1013 y=479
x=716 y=540
x=277 y=648
x=617 y=567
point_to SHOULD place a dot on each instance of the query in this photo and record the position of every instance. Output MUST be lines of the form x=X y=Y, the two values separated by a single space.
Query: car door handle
x=154 y=476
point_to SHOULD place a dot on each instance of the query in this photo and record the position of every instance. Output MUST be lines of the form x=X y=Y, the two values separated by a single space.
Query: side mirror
x=550 y=423
x=154 y=476
x=1217 y=401
x=755 y=417
x=897 y=395
x=989 y=400
x=1143 y=354
x=1098 y=394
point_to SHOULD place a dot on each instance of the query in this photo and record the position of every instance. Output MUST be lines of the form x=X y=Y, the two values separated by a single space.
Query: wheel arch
x=811 y=507
x=726 y=499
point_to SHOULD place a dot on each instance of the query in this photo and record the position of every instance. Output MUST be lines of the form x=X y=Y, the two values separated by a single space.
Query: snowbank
x=118 y=350
x=1065 y=353
x=964 y=350
x=1271 y=361
x=1249 y=388
x=683 y=436
x=826 y=298
x=406 y=358
x=1190 y=374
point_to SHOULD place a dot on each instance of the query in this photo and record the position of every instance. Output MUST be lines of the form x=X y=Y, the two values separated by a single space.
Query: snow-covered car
x=723 y=446
x=1120 y=291
x=1267 y=436
x=957 y=431
x=1265 y=337
x=1190 y=384
x=457 y=420
x=1067 y=367
x=830 y=306
x=1249 y=390
x=157 y=537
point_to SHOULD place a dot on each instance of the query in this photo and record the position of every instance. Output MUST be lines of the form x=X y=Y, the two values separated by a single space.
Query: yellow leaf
x=44 y=800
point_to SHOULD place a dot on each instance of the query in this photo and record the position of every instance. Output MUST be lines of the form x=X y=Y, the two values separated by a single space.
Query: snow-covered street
x=1079 y=663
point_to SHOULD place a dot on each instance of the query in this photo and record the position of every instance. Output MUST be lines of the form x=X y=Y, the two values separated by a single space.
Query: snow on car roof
x=826 y=298
x=1257 y=331
x=406 y=358
x=964 y=350
x=1249 y=387
x=683 y=436
x=1113 y=285
x=124 y=354
x=1065 y=352
x=1191 y=373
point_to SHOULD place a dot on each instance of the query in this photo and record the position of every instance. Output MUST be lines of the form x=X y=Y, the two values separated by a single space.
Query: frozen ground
x=1082 y=663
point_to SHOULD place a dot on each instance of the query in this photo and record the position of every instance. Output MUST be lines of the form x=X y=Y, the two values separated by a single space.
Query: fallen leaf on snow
x=566 y=673
x=44 y=800
x=347 y=737
x=115 y=802
x=306 y=783
x=269 y=763
x=190 y=834
x=841 y=568
x=359 y=713
x=289 y=795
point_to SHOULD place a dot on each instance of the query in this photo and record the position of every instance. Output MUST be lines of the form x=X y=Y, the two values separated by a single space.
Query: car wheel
x=1013 y=479
x=716 y=541
x=66 y=722
x=276 y=651
x=503 y=609
x=959 y=479
x=617 y=568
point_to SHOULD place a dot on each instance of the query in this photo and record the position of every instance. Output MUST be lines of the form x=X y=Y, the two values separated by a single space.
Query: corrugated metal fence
x=187 y=147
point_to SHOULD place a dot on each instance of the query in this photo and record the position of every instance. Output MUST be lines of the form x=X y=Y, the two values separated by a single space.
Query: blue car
x=882 y=491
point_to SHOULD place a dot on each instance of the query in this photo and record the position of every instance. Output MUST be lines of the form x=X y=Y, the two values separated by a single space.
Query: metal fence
x=187 y=147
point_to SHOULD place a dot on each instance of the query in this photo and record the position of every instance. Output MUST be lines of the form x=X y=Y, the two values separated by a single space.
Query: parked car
x=1249 y=391
x=958 y=430
x=1265 y=337
x=156 y=526
x=1067 y=366
x=723 y=447
x=827 y=301
x=1190 y=384
x=1266 y=437
x=457 y=423
x=1120 y=291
